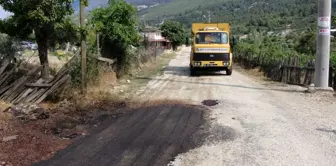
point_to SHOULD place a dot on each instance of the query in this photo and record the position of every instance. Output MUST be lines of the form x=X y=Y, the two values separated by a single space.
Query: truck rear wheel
x=229 y=71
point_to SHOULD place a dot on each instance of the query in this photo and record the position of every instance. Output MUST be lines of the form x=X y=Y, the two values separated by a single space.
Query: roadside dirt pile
x=30 y=133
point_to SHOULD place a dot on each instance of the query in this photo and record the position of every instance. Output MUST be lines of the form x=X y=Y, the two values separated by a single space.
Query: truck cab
x=210 y=48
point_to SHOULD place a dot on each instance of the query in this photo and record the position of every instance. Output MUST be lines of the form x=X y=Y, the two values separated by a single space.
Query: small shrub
x=333 y=59
x=92 y=73
x=8 y=46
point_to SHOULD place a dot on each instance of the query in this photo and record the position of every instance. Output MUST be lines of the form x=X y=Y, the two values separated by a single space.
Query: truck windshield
x=211 y=37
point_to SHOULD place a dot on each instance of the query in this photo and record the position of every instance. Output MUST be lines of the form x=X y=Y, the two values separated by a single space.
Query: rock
x=31 y=112
x=128 y=81
x=310 y=89
x=56 y=131
x=9 y=138
x=15 y=110
x=39 y=113
x=71 y=136
x=7 y=109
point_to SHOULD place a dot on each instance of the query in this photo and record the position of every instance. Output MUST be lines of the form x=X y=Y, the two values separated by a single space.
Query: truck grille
x=211 y=57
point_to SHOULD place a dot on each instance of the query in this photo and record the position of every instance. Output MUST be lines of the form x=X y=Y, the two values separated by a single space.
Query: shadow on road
x=184 y=71
x=226 y=85
x=326 y=130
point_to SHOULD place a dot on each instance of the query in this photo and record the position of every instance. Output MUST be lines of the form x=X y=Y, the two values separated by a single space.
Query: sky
x=92 y=4
x=3 y=13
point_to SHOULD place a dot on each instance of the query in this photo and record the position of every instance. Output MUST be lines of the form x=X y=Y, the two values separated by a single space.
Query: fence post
x=330 y=76
x=282 y=68
x=155 y=52
x=334 y=82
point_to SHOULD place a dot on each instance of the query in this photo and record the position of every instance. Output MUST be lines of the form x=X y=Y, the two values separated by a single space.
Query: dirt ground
x=55 y=62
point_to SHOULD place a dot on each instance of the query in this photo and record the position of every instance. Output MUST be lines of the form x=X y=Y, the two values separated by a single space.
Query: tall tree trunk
x=83 y=46
x=174 y=47
x=67 y=47
x=43 y=55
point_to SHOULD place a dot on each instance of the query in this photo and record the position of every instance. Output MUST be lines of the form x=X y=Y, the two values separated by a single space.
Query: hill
x=176 y=7
x=244 y=15
x=96 y=3
x=147 y=2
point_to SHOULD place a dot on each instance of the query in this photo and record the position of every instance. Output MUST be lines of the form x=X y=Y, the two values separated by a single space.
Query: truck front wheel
x=192 y=71
x=229 y=71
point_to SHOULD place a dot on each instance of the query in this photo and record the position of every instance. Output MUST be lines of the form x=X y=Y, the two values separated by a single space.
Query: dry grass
x=109 y=88
x=256 y=73
x=100 y=90
x=4 y=105
x=150 y=69
x=3 y=117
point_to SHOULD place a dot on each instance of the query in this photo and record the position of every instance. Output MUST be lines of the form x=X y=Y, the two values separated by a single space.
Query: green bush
x=273 y=49
x=117 y=25
x=175 y=32
x=8 y=46
x=92 y=74
x=333 y=59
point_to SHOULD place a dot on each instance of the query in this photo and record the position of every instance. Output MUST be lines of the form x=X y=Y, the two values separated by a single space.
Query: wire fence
x=292 y=70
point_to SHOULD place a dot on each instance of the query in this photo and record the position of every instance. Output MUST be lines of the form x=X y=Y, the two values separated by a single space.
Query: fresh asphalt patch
x=151 y=135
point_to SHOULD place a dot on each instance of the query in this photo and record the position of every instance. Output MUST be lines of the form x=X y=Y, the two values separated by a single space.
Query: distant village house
x=154 y=37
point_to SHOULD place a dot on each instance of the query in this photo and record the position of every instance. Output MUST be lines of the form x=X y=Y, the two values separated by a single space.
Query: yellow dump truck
x=210 y=49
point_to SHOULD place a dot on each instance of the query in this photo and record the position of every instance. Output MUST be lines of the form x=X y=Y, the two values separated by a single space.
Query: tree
x=65 y=32
x=41 y=17
x=117 y=25
x=175 y=32
x=307 y=43
x=8 y=47
x=187 y=42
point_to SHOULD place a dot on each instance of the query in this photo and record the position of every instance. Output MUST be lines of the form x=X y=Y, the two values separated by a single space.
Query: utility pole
x=323 y=44
x=83 y=47
x=98 y=51
x=209 y=16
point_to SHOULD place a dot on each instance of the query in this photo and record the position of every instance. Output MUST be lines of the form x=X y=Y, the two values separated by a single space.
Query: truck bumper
x=211 y=65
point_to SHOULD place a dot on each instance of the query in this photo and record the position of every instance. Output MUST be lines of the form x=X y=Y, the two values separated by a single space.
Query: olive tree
x=43 y=18
x=116 y=25
x=175 y=32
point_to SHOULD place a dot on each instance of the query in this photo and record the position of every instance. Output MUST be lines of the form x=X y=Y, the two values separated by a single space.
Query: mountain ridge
x=243 y=15
x=97 y=3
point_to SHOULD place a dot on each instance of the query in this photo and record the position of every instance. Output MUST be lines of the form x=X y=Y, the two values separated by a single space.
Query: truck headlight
x=198 y=63
x=226 y=63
